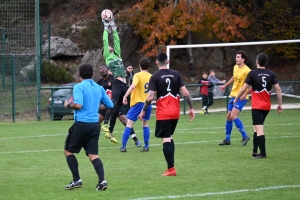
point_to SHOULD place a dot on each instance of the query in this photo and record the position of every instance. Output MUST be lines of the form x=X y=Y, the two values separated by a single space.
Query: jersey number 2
x=168 y=81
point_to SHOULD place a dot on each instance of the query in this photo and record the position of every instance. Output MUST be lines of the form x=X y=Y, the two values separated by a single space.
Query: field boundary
x=220 y=193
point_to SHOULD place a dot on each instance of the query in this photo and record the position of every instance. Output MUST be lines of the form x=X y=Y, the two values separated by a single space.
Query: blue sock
x=228 y=130
x=146 y=136
x=125 y=137
x=239 y=125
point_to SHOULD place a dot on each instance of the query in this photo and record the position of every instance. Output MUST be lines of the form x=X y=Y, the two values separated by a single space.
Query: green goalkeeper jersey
x=113 y=60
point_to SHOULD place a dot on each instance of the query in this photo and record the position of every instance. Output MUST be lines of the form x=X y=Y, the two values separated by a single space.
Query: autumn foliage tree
x=162 y=23
x=270 y=20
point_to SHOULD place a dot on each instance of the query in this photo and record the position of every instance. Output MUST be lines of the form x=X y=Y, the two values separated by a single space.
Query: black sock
x=168 y=153
x=262 y=144
x=107 y=116
x=133 y=133
x=73 y=165
x=255 y=143
x=98 y=165
x=173 y=147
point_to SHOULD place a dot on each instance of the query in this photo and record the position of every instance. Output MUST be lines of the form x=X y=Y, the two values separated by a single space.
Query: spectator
x=214 y=81
x=204 y=92
x=129 y=74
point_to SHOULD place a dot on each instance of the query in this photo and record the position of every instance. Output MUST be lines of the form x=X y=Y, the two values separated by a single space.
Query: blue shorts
x=238 y=105
x=135 y=110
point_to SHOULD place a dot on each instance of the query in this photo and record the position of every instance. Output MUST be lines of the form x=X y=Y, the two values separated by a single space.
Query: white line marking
x=219 y=193
x=180 y=130
x=152 y=145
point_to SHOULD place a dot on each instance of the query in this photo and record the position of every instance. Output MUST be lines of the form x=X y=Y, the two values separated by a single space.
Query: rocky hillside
x=78 y=21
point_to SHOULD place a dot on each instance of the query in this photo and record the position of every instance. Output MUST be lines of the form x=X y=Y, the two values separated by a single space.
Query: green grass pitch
x=32 y=164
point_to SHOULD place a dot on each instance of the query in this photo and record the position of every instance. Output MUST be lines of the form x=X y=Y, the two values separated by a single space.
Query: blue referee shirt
x=89 y=94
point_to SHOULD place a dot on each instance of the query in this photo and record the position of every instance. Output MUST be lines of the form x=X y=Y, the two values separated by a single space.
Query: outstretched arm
x=105 y=50
x=117 y=46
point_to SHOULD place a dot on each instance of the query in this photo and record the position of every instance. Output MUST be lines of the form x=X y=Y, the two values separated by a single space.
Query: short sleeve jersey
x=261 y=81
x=239 y=75
x=106 y=84
x=140 y=92
x=89 y=94
x=167 y=83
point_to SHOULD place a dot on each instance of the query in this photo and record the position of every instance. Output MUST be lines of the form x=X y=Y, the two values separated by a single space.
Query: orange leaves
x=162 y=22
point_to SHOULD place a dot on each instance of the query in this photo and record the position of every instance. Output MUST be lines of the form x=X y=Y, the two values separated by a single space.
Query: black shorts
x=82 y=134
x=259 y=116
x=165 y=128
x=119 y=89
x=122 y=112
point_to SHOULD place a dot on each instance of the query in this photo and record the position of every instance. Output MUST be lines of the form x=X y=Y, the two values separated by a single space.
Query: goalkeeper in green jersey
x=112 y=57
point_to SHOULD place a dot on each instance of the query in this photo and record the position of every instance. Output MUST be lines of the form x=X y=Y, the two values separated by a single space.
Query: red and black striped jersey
x=261 y=81
x=167 y=83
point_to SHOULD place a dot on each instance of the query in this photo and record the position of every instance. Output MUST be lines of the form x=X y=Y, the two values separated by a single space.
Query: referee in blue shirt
x=85 y=132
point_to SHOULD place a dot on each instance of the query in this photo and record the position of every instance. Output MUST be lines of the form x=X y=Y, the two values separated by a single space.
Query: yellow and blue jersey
x=140 y=92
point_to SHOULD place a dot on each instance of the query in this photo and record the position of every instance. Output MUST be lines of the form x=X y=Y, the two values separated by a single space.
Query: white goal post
x=169 y=47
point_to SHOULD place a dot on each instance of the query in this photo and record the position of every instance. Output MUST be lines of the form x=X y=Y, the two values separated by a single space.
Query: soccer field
x=33 y=165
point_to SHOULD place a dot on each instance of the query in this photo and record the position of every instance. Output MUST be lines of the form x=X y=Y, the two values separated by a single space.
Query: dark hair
x=262 y=59
x=204 y=72
x=86 y=71
x=103 y=66
x=212 y=70
x=162 y=57
x=144 y=63
x=243 y=54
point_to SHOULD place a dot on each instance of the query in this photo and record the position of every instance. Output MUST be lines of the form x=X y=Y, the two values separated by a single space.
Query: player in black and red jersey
x=167 y=83
x=261 y=80
x=106 y=82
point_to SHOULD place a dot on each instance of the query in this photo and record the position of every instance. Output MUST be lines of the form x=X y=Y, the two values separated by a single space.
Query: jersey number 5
x=264 y=82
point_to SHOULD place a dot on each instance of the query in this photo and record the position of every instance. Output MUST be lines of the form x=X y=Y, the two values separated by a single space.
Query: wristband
x=147 y=102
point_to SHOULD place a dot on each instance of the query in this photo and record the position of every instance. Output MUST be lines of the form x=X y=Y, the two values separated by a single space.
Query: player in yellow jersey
x=139 y=92
x=240 y=72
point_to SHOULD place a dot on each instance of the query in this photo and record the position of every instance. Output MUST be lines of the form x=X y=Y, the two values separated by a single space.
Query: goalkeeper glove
x=105 y=24
x=113 y=24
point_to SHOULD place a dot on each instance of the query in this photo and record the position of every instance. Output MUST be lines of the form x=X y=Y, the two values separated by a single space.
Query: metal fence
x=19 y=60
x=53 y=104
x=290 y=97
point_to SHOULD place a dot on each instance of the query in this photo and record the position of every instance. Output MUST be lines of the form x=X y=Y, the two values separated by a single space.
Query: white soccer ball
x=106 y=15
